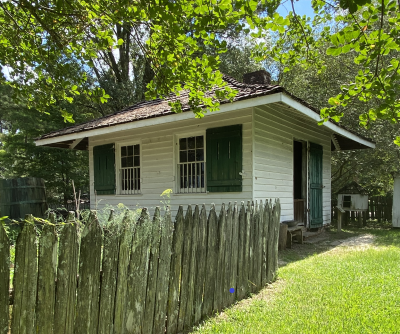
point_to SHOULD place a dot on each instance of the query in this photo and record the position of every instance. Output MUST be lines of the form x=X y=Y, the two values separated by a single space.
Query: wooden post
x=47 y=269
x=4 y=280
x=339 y=220
x=87 y=303
x=346 y=218
x=25 y=280
x=64 y=313
x=283 y=229
x=364 y=214
x=163 y=273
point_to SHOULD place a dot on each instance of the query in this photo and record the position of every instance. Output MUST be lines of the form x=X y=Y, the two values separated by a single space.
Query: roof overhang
x=342 y=138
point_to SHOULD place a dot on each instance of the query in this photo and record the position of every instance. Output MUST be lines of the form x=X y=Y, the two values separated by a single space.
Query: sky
x=302 y=7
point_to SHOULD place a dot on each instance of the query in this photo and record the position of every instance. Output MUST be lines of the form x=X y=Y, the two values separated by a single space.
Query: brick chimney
x=261 y=77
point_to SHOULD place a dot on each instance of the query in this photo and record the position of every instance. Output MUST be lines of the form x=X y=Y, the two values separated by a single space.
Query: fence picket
x=87 y=303
x=152 y=276
x=64 y=312
x=176 y=263
x=260 y=245
x=247 y=258
x=265 y=233
x=137 y=280
x=241 y=253
x=25 y=280
x=276 y=213
x=192 y=272
x=218 y=297
x=255 y=239
x=201 y=258
x=163 y=275
x=4 y=280
x=47 y=269
x=227 y=258
x=270 y=242
x=124 y=253
x=108 y=280
x=211 y=263
x=186 y=256
x=234 y=257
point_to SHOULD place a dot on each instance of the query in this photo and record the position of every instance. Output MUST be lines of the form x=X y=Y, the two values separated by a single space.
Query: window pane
x=191 y=142
x=182 y=144
x=191 y=155
x=137 y=161
x=136 y=150
x=130 y=150
x=129 y=162
x=183 y=156
x=199 y=154
x=123 y=163
x=123 y=151
x=199 y=142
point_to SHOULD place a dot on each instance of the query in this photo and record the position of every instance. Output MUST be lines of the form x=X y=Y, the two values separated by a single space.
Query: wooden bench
x=295 y=231
x=286 y=235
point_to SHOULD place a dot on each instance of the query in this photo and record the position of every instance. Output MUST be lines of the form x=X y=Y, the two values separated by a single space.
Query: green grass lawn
x=348 y=289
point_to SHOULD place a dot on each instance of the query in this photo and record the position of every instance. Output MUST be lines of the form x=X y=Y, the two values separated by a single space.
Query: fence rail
x=160 y=277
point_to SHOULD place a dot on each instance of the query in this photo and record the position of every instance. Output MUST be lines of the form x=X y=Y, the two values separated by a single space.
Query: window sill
x=126 y=195
x=183 y=194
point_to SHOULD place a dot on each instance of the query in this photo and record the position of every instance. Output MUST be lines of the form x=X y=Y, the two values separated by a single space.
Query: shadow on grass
x=384 y=234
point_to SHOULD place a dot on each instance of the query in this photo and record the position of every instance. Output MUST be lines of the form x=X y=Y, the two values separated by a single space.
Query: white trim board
x=251 y=102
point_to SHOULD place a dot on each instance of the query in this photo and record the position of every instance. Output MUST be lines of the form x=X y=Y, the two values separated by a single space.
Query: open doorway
x=300 y=181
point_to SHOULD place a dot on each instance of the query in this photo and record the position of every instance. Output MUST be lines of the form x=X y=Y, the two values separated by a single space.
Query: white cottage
x=264 y=144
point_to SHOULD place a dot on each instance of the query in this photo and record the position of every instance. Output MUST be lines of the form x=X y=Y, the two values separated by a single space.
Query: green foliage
x=50 y=47
x=366 y=30
x=20 y=157
x=373 y=169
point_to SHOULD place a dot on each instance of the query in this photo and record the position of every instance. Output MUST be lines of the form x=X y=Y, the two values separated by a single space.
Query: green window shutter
x=104 y=169
x=316 y=185
x=224 y=159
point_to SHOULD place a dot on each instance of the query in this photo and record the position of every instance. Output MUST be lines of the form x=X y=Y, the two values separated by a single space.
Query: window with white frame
x=191 y=166
x=130 y=170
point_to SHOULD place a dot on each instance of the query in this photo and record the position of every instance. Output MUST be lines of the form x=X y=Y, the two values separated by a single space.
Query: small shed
x=353 y=197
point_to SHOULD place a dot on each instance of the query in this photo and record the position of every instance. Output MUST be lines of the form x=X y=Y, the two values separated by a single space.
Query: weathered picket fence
x=164 y=281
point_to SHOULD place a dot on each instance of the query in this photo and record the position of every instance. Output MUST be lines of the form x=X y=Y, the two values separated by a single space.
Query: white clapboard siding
x=158 y=145
x=275 y=127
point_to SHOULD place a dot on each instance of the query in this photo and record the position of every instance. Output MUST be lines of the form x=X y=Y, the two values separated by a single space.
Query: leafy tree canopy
x=368 y=31
x=48 y=47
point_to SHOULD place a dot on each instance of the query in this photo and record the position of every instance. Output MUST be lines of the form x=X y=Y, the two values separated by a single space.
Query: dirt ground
x=325 y=241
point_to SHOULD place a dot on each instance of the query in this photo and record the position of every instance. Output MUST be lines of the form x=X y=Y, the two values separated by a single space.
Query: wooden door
x=316 y=186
